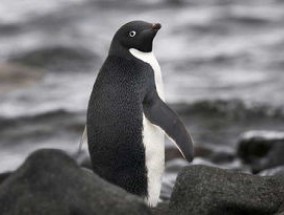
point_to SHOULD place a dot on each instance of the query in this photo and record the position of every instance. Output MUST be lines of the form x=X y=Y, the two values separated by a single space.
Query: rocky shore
x=52 y=182
x=222 y=63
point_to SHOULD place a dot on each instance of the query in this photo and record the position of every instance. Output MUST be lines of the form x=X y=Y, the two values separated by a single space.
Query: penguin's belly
x=153 y=140
x=153 y=136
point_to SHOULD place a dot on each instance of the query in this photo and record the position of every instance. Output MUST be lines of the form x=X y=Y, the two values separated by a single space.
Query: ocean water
x=222 y=63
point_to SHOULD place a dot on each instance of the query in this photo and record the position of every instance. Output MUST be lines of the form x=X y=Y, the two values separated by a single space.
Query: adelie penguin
x=127 y=116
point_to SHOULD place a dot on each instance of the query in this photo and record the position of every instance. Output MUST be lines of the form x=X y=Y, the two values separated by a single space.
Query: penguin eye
x=132 y=33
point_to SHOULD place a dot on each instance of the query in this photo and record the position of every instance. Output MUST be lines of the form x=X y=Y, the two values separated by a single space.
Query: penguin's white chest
x=153 y=136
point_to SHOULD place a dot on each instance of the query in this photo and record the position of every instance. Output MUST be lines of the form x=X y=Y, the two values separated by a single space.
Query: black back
x=114 y=122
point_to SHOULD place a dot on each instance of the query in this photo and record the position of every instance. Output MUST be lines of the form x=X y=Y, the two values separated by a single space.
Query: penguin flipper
x=160 y=114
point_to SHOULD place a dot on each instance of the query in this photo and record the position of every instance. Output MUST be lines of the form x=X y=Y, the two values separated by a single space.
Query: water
x=209 y=51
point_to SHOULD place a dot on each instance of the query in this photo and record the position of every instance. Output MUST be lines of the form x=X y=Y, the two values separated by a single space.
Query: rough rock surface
x=51 y=183
x=202 y=190
x=262 y=149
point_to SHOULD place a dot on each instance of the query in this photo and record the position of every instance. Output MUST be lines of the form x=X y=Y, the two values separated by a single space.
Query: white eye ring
x=132 y=33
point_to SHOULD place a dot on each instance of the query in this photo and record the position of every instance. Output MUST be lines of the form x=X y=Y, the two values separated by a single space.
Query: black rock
x=201 y=190
x=217 y=155
x=51 y=183
x=262 y=149
x=222 y=157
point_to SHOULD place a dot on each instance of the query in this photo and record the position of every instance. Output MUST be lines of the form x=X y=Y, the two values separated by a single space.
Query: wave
x=58 y=113
x=57 y=58
x=234 y=109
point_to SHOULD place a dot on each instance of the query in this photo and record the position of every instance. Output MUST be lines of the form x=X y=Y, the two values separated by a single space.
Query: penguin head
x=136 y=34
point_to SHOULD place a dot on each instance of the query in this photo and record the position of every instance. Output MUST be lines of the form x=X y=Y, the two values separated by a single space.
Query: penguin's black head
x=136 y=34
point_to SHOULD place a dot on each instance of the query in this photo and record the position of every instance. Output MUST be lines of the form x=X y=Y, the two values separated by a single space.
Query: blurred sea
x=222 y=64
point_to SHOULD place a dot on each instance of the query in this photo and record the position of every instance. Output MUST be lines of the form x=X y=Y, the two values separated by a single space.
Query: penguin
x=127 y=117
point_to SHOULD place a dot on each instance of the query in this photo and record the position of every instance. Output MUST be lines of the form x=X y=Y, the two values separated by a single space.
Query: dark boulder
x=201 y=190
x=262 y=149
x=51 y=183
x=173 y=167
x=222 y=157
x=215 y=154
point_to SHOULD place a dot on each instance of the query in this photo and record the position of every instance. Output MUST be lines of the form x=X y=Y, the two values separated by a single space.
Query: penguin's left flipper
x=160 y=114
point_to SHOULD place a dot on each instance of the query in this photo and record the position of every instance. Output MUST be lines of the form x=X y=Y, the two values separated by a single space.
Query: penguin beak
x=147 y=36
x=156 y=26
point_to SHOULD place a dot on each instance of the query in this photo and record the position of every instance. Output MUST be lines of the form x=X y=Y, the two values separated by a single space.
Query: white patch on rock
x=264 y=135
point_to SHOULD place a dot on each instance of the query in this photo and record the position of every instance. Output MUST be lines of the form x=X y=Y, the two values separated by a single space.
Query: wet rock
x=173 y=167
x=58 y=58
x=50 y=182
x=201 y=190
x=222 y=157
x=273 y=171
x=262 y=149
x=215 y=154
x=13 y=76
